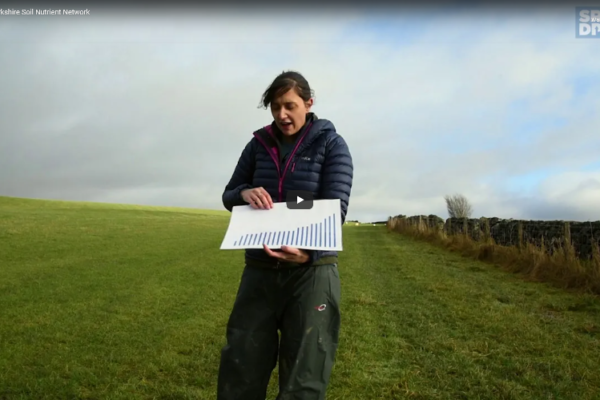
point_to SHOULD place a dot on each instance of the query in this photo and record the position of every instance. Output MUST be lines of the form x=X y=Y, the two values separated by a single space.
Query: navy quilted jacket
x=319 y=163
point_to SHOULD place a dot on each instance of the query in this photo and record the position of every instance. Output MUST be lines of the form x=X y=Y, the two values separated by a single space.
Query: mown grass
x=559 y=265
x=122 y=302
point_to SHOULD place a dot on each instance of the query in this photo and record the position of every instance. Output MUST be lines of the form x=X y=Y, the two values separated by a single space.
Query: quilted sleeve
x=240 y=180
x=337 y=176
x=338 y=173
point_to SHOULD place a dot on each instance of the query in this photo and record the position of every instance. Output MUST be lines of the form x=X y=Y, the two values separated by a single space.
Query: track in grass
x=131 y=302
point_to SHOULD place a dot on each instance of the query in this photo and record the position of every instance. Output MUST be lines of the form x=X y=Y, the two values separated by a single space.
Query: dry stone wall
x=511 y=232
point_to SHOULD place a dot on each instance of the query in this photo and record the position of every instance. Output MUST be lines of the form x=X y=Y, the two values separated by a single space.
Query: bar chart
x=319 y=228
x=319 y=234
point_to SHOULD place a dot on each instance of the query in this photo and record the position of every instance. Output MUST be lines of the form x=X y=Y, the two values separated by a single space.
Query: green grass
x=105 y=301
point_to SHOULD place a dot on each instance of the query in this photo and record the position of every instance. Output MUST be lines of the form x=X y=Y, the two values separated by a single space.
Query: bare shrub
x=458 y=206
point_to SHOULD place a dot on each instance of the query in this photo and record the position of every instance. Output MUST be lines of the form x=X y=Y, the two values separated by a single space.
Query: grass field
x=104 y=301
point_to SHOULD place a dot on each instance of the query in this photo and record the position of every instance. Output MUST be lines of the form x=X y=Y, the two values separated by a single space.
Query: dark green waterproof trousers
x=303 y=304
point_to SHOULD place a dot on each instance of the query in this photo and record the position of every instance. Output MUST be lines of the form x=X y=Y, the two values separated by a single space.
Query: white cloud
x=573 y=188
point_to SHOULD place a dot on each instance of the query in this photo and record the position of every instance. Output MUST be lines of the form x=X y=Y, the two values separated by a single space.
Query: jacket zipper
x=274 y=157
x=292 y=156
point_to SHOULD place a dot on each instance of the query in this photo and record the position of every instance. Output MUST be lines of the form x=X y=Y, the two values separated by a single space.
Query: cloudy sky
x=499 y=104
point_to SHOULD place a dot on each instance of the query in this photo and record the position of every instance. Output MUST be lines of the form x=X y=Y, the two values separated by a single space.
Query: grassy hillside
x=130 y=302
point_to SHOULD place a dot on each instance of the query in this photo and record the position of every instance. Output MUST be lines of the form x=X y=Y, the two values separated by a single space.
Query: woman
x=294 y=291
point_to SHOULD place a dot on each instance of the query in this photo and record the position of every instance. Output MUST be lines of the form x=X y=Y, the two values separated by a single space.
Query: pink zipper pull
x=293 y=166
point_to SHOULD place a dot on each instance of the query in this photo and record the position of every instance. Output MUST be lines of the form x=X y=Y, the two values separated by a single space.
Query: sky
x=154 y=107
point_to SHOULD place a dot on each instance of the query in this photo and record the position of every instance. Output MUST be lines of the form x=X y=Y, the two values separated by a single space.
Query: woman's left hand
x=289 y=254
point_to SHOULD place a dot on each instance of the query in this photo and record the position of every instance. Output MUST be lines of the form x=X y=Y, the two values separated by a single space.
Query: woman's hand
x=289 y=254
x=257 y=198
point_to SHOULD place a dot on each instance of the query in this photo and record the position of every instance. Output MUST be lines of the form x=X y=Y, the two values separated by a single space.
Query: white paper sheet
x=319 y=228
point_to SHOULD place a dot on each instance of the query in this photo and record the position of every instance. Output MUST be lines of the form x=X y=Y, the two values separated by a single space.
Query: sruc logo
x=587 y=22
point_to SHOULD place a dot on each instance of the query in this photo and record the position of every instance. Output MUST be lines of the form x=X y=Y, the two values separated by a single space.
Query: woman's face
x=289 y=112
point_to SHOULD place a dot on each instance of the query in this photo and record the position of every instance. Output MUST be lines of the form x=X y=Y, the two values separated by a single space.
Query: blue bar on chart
x=322 y=234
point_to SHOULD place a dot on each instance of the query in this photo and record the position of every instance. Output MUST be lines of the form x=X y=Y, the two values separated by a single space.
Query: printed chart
x=318 y=228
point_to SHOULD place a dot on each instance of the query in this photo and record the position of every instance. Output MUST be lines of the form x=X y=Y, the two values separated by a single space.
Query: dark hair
x=285 y=81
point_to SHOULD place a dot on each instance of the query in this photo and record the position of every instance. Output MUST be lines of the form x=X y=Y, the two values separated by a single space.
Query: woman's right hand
x=257 y=198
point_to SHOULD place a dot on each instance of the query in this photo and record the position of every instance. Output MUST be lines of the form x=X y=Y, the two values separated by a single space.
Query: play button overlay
x=299 y=200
